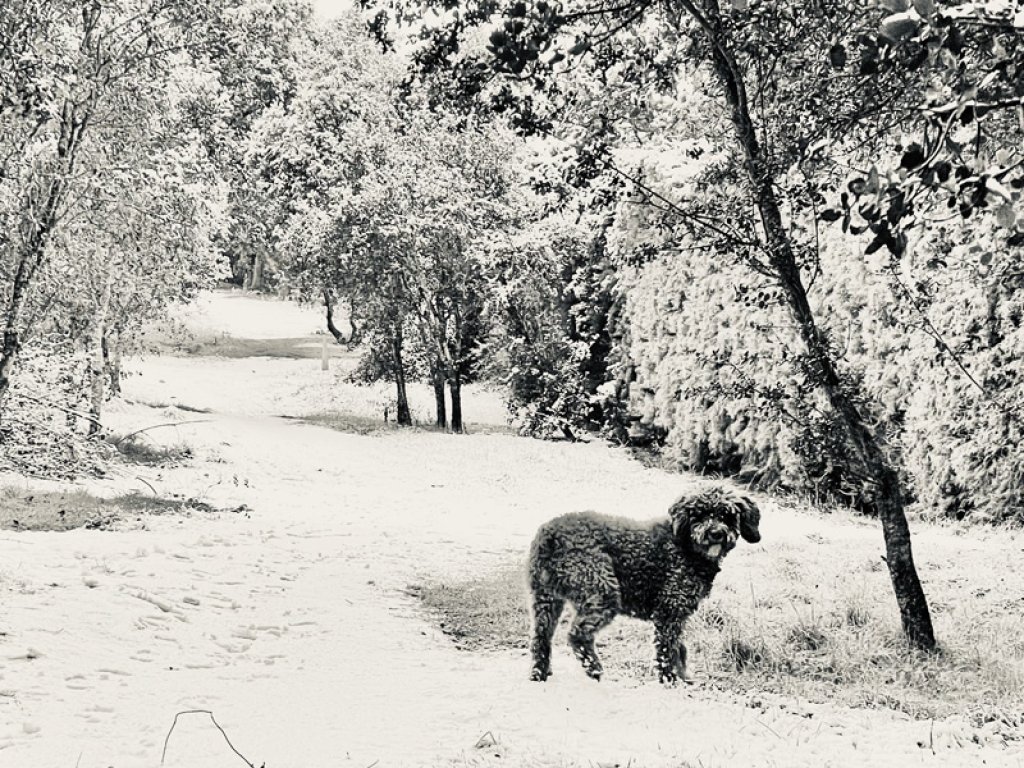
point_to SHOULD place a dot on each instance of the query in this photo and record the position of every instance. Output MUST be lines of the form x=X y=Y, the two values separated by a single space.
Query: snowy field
x=288 y=618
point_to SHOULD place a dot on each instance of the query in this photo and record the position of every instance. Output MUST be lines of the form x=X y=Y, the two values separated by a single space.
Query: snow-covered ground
x=289 y=622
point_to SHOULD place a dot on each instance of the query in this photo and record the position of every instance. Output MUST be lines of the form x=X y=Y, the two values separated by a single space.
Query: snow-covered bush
x=712 y=362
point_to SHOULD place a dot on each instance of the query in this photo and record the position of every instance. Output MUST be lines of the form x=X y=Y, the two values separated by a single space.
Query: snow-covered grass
x=139 y=449
x=818 y=625
x=34 y=510
x=291 y=606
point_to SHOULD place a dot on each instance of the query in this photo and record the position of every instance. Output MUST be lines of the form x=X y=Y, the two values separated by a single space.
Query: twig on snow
x=157 y=426
x=142 y=479
x=486 y=740
x=222 y=733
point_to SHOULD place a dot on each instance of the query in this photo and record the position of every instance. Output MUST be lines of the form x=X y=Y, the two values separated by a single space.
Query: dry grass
x=365 y=425
x=223 y=345
x=141 y=449
x=819 y=624
x=22 y=510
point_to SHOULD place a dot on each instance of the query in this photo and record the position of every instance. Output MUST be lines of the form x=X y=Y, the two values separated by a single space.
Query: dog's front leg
x=671 y=653
x=681 y=669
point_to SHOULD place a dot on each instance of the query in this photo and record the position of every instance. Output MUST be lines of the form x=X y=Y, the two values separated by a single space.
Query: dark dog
x=657 y=571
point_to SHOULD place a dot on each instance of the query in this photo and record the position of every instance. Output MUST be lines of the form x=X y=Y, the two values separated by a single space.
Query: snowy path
x=289 y=622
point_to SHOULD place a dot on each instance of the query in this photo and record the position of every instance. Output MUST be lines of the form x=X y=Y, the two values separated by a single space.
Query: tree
x=765 y=70
x=70 y=69
x=384 y=207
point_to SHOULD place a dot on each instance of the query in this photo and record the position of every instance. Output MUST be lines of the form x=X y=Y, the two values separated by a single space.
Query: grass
x=140 y=449
x=63 y=511
x=366 y=425
x=821 y=637
x=297 y=348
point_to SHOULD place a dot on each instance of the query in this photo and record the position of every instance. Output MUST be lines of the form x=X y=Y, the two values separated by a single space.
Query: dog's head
x=710 y=521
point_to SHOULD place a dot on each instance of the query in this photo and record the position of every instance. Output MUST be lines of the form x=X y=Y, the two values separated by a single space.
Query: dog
x=658 y=571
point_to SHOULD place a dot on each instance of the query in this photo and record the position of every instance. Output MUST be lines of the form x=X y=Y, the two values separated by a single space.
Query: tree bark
x=112 y=361
x=97 y=363
x=403 y=415
x=32 y=253
x=455 y=387
x=258 y=263
x=878 y=473
x=437 y=379
x=334 y=330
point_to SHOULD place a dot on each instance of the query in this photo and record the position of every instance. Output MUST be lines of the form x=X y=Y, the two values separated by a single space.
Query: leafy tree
x=555 y=299
x=777 y=121
x=384 y=207
x=251 y=64
x=72 y=74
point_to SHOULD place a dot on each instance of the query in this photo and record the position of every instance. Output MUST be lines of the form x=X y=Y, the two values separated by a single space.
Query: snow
x=288 y=620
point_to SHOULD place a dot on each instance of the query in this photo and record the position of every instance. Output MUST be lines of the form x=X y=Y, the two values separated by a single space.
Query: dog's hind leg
x=592 y=614
x=546 y=610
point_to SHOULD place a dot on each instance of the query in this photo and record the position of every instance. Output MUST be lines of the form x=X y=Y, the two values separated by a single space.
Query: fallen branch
x=130 y=435
x=142 y=479
x=222 y=733
x=50 y=404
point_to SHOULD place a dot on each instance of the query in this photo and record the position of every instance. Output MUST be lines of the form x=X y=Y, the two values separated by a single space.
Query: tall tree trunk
x=41 y=222
x=876 y=469
x=112 y=360
x=455 y=387
x=404 y=416
x=437 y=379
x=258 y=264
x=29 y=260
x=97 y=362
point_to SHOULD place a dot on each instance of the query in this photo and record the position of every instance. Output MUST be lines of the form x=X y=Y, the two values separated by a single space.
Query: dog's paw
x=539 y=675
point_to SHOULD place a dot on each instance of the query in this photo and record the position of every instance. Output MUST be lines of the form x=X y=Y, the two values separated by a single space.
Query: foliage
x=708 y=351
x=555 y=296
x=109 y=210
x=384 y=207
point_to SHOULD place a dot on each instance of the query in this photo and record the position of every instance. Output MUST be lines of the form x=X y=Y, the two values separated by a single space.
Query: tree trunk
x=29 y=261
x=404 y=416
x=455 y=387
x=258 y=263
x=437 y=378
x=112 y=359
x=97 y=363
x=335 y=331
x=877 y=472
x=73 y=121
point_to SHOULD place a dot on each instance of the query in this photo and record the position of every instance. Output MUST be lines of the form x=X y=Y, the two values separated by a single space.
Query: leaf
x=837 y=56
x=925 y=8
x=996 y=187
x=899 y=27
x=913 y=157
x=874 y=245
x=582 y=46
x=1006 y=216
x=830 y=214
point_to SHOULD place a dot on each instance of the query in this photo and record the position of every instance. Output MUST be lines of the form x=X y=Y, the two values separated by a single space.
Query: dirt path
x=290 y=624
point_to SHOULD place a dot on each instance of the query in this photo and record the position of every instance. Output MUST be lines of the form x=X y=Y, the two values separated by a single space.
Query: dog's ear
x=750 y=519
x=679 y=514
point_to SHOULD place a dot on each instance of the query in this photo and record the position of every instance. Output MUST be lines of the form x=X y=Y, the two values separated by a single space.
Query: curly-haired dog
x=657 y=571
